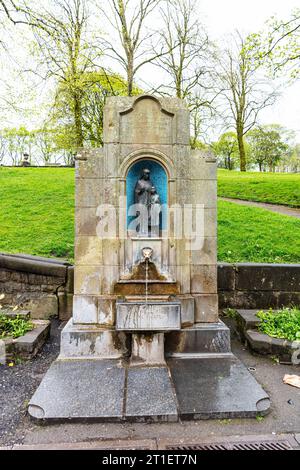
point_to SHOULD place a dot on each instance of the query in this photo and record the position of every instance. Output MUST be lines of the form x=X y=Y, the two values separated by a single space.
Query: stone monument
x=145 y=340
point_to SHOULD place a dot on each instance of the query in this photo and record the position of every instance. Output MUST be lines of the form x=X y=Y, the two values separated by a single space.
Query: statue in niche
x=145 y=194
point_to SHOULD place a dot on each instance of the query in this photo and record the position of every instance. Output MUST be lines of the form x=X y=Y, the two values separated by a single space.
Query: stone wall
x=251 y=286
x=45 y=286
x=40 y=285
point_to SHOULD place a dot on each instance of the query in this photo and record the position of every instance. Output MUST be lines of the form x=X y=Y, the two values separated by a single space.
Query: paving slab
x=219 y=388
x=150 y=395
x=85 y=390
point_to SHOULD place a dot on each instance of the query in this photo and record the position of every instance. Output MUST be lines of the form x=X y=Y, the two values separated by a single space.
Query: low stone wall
x=45 y=286
x=255 y=286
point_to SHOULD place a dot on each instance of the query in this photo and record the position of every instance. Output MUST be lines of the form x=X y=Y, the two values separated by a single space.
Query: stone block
x=65 y=305
x=267 y=277
x=92 y=342
x=204 y=279
x=88 y=280
x=85 y=309
x=86 y=220
x=198 y=339
x=226 y=276
x=202 y=168
x=89 y=163
x=42 y=306
x=153 y=316
x=88 y=192
x=88 y=251
x=106 y=310
x=187 y=310
x=147 y=349
x=204 y=251
x=206 y=308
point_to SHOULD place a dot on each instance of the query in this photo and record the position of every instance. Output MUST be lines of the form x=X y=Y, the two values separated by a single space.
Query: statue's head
x=153 y=190
x=146 y=174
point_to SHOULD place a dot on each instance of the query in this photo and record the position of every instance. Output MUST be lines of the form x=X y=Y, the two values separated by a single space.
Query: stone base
x=92 y=342
x=199 y=388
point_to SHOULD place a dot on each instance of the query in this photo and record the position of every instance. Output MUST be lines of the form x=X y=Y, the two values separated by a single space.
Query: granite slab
x=80 y=390
x=150 y=395
x=216 y=388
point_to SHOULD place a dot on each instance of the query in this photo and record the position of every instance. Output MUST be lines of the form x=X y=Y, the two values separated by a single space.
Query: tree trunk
x=240 y=138
x=78 y=122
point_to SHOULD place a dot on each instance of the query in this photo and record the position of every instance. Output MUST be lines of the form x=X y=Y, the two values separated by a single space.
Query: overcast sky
x=224 y=16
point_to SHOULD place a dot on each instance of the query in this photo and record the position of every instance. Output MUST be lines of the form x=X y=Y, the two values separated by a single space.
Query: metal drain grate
x=254 y=445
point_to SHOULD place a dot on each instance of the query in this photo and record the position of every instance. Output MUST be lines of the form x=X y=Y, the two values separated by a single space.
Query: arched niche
x=159 y=178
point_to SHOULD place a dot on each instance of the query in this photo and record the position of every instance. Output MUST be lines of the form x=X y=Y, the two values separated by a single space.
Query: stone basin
x=150 y=316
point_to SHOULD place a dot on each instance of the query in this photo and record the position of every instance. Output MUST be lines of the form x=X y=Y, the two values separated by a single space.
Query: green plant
x=229 y=313
x=14 y=327
x=259 y=418
x=284 y=323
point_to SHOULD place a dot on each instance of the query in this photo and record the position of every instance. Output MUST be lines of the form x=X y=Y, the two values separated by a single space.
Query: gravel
x=17 y=385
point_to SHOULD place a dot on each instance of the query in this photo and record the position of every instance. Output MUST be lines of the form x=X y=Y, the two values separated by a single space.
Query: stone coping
x=261 y=343
x=34 y=264
x=28 y=345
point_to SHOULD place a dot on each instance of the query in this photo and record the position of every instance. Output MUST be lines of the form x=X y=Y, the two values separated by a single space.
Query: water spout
x=147 y=253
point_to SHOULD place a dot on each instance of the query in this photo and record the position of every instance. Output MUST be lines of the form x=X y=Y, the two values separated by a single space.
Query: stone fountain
x=145 y=341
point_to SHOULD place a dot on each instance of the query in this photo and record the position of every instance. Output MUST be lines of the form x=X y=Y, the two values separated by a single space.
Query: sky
x=221 y=18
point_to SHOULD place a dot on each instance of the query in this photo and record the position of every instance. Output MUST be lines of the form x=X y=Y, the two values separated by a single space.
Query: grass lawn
x=37 y=217
x=276 y=188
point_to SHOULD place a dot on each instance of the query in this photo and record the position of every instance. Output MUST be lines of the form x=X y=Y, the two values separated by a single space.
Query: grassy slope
x=37 y=211
x=277 y=188
x=250 y=234
x=37 y=217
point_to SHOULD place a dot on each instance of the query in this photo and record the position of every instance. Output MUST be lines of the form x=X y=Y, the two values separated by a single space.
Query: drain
x=252 y=445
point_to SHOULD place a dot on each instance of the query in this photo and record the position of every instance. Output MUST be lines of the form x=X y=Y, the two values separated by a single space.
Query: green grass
x=276 y=188
x=248 y=234
x=37 y=211
x=284 y=323
x=37 y=217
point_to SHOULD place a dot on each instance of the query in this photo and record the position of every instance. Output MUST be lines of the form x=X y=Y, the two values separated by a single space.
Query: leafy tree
x=267 y=146
x=244 y=93
x=97 y=86
x=18 y=141
x=277 y=46
x=227 y=150
x=62 y=35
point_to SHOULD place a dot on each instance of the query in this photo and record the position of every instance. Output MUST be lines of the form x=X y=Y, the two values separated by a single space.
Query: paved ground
x=285 y=210
x=18 y=383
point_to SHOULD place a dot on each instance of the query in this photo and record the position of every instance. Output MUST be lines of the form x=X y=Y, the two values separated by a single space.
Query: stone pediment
x=146 y=122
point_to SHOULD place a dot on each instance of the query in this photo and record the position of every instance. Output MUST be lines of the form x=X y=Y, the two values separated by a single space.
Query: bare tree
x=60 y=31
x=245 y=94
x=186 y=61
x=133 y=47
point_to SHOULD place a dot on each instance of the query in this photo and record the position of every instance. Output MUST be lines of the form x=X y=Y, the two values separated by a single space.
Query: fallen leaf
x=10 y=364
x=2 y=296
x=15 y=308
x=293 y=380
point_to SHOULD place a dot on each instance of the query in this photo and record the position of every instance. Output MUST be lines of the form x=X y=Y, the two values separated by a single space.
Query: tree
x=98 y=87
x=18 y=142
x=188 y=48
x=277 y=47
x=67 y=53
x=44 y=143
x=243 y=91
x=132 y=46
x=267 y=146
x=227 y=150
